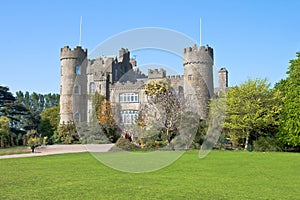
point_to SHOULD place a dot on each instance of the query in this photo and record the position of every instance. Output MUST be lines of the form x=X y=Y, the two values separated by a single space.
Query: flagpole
x=200 y=32
x=80 y=27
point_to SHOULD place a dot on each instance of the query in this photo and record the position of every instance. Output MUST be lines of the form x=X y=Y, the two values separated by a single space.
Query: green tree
x=4 y=131
x=251 y=109
x=17 y=114
x=36 y=104
x=49 y=122
x=289 y=129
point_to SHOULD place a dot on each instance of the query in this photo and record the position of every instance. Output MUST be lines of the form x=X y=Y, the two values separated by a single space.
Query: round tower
x=73 y=84
x=198 y=75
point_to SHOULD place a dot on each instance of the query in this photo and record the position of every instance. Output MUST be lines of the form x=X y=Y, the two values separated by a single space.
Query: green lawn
x=220 y=175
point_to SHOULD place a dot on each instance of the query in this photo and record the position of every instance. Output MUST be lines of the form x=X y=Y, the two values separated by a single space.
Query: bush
x=66 y=134
x=123 y=144
x=267 y=144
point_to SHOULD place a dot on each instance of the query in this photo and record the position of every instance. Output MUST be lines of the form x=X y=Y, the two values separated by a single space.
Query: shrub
x=33 y=138
x=66 y=134
x=123 y=144
x=267 y=144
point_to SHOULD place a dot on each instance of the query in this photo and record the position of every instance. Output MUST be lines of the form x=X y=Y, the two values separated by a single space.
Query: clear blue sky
x=251 y=38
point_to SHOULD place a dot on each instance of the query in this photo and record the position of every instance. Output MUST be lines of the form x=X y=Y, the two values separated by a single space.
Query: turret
x=124 y=55
x=198 y=75
x=223 y=78
x=73 y=84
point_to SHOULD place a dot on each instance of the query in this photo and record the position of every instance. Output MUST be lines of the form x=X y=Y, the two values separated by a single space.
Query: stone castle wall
x=111 y=76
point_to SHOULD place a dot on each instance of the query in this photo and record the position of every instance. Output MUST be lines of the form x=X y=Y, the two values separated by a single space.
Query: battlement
x=154 y=74
x=95 y=65
x=195 y=54
x=176 y=77
x=223 y=69
x=67 y=53
x=197 y=49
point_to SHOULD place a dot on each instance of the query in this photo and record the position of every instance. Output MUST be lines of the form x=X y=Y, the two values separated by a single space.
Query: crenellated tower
x=198 y=75
x=73 y=89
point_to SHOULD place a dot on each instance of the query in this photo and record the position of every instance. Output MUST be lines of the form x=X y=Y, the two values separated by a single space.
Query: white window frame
x=129 y=98
x=92 y=88
x=128 y=116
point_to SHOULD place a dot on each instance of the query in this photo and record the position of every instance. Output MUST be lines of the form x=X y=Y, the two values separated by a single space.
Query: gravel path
x=61 y=149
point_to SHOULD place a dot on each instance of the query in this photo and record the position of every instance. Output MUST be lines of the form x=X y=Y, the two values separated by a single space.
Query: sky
x=251 y=38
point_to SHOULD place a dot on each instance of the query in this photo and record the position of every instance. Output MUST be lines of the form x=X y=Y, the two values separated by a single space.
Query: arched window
x=77 y=89
x=92 y=87
x=77 y=69
x=76 y=117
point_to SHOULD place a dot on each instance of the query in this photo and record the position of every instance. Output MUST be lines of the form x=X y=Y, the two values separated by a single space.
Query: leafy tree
x=17 y=114
x=251 y=109
x=24 y=113
x=36 y=104
x=289 y=129
x=155 y=88
x=106 y=120
x=49 y=122
x=97 y=100
x=163 y=109
x=4 y=131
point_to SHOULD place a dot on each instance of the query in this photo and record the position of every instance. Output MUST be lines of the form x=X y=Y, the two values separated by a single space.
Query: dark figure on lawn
x=32 y=148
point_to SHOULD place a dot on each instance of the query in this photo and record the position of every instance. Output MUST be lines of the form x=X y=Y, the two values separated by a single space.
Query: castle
x=121 y=82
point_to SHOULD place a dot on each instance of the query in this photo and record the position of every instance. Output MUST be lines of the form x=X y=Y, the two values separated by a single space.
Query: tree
x=106 y=120
x=97 y=100
x=36 y=104
x=18 y=115
x=251 y=109
x=289 y=129
x=49 y=122
x=163 y=109
x=4 y=131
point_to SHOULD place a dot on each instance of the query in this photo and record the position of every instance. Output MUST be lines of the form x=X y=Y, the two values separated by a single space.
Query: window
x=128 y=116
x=77 y=89
x=190 y=77
x=129 y=98
x=76 y=117
x=77 y=69
x=92 y=88
x=116 y=74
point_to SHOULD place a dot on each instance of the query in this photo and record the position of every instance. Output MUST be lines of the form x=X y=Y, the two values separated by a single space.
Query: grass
x=220 y=175
x=14 y=150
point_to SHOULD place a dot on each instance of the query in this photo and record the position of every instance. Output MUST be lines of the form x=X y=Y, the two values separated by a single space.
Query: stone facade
x=120 y=80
